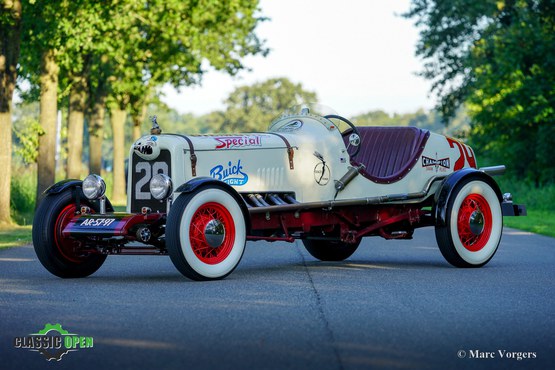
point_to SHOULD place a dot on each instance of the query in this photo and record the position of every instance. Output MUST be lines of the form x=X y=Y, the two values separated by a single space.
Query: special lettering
x=229 y=142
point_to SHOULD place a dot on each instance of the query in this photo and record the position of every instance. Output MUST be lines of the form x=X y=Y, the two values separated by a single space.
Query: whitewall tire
x=206 y=233
x=474 y=224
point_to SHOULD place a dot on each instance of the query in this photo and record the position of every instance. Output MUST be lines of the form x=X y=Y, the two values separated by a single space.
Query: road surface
x=393 y=305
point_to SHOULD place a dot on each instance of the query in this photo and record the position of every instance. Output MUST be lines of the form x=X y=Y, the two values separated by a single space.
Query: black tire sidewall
x=44 y=224
x=326 y=250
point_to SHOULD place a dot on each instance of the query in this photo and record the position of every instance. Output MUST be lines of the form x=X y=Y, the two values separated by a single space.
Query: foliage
x=539 y=201
x=23 y=188
x=535 y=198
x=252 y=108
x=172 y=121
x=10 y=42
x=498 y=58
x=29 y=140
x=432 y=120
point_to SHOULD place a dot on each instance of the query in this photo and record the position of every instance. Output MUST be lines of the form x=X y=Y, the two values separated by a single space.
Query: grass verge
x=13 y=236
x=539 y=222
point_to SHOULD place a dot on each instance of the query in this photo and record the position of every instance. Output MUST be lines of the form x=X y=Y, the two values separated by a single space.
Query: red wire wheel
x=473 y=225
x=474 y=222
x=206 y=232
x=65 y=246
x=212 y=233
x=56 y=253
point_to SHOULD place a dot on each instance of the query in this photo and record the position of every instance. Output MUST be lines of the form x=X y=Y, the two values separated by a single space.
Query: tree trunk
x=5 y=157
x=75 y=127
x=118 y=124
x=96 y=134
x=10 y=40
x=46 y=161
x=137 y=121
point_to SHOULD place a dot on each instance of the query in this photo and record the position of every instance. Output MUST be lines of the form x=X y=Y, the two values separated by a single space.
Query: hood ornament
x=155 y=130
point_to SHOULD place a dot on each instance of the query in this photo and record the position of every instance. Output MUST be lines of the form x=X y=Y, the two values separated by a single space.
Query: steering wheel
x=355 y=139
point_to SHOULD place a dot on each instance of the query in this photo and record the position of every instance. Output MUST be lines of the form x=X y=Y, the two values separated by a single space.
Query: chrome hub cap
x=214 y=233
x=476 y=221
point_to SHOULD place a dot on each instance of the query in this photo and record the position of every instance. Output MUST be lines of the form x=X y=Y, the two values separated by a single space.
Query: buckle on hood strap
x=290 y=150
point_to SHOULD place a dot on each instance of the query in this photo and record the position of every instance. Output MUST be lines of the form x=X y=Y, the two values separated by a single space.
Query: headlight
x=94 y=187
x=160 y=186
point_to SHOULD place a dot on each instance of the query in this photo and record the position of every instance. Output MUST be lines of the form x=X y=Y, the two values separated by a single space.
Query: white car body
x=199 y=198
x=259 y=162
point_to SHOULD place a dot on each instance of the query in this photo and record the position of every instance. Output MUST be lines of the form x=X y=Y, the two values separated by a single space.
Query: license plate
x=97 y=222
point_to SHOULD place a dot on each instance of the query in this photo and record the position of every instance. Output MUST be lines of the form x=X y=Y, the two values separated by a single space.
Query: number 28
x=149 y=171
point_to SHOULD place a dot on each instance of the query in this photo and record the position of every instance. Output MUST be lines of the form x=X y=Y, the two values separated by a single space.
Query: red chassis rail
x=348 y=223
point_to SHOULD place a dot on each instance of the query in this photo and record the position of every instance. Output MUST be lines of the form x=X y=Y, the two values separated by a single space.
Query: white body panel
x=259 y=162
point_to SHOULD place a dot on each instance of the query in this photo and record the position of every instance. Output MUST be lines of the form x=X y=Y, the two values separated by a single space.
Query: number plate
x=141 y=174
x=97 y=222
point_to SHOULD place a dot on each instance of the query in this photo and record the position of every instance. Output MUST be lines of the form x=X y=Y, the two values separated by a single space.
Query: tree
x=171 y=41
x=98 y=93
x=376 y=118
x=180 y=38
x=119 y=53
x=497 y=57
x=10 y=40
x=39 y=64
x=89 y=34
x=252 y=108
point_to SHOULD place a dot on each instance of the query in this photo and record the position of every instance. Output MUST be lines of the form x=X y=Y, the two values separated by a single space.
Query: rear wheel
x=206 y=233
x=473 y=227
x=326 y=250
x=58 y=254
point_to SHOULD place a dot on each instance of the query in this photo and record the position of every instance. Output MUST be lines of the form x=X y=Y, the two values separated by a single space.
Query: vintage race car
x=199 y=199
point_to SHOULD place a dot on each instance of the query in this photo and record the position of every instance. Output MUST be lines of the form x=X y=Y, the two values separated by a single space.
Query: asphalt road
x=393 y=304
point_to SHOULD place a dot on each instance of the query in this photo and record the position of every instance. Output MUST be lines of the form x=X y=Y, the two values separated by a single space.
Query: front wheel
x=326 y=250
x=58 y=254
x=206 y=233
x=474 y=224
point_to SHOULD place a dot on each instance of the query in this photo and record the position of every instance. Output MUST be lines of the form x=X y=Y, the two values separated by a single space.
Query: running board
x=330 y=204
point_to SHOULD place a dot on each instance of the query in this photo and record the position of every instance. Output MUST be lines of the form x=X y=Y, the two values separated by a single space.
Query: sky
x=357 y=55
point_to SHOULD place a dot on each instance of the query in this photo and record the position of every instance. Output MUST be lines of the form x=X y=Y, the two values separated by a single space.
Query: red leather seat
x=389 y=153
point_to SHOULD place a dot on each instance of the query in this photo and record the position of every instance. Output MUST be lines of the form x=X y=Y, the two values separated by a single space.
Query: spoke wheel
x=59 y=254
x=474 y=224
x=206 y=233
x=212 y=233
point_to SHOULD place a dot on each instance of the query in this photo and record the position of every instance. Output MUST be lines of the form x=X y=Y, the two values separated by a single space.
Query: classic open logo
x=53 y=342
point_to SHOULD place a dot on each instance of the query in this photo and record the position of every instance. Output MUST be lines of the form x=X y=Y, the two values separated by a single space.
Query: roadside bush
x=535 y=198
x=23 y=188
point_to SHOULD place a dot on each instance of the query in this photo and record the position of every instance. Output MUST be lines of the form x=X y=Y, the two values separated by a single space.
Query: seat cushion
x=388 y=153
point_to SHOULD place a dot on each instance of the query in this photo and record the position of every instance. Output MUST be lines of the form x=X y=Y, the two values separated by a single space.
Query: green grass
x=539 y=222
x=539 y=202
x=14 y=236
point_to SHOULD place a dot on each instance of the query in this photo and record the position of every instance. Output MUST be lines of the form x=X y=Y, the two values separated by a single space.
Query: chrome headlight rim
x=93 y=187
x=160 y=186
